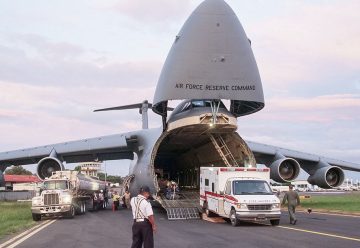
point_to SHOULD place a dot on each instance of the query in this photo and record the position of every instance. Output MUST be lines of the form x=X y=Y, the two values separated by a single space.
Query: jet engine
x=48 y=165
x=284 y=169
x=327 y=177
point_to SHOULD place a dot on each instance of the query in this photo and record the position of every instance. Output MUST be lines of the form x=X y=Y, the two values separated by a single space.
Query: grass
x=346 y=202
x=14 y=216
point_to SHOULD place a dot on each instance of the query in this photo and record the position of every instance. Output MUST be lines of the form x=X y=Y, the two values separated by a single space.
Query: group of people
x=100 y=200
x=172 y=191
x=169 y=188
x=125 y=199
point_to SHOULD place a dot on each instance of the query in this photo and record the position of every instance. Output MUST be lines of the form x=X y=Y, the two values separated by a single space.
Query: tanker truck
x=66 y=193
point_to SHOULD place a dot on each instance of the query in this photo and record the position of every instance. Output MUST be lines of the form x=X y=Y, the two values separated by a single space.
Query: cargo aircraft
x=210 y=62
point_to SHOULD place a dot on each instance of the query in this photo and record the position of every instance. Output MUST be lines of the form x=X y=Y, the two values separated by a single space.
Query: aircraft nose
x=211 y=58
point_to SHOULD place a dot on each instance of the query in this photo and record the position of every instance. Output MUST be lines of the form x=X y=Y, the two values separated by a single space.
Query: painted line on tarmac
x=335 y=214
x=320 y=233
x=27 y=235
x=22 y=234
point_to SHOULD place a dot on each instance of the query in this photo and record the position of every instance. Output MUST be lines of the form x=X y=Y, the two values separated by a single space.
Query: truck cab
x=240 y=194
x=55 y=199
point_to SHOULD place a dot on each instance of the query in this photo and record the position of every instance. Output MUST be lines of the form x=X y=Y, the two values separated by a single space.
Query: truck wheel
x=84 y=207
x=71 y=213
x=275 y=222
x=36 y=217
x=234 y=221
x=78 y=208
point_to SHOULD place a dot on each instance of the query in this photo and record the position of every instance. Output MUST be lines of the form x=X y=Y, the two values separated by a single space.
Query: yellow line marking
x=335 y=214
x=320 y=233
x=22 y=234
x=30 y=234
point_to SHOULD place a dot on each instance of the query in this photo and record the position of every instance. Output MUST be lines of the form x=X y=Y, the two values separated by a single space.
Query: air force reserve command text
x=214 y=87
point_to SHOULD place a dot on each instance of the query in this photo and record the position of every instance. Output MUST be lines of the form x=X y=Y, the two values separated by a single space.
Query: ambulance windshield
x=251 y=187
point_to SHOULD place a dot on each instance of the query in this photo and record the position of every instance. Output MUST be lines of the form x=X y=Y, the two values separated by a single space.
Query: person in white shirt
x=144 y=222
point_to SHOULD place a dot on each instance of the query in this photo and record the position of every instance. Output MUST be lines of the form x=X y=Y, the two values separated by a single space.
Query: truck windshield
x=251 y=187
x=56 y=184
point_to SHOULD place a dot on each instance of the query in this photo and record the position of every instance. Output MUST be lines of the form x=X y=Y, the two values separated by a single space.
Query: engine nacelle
x=47 y=166
x=284 y=169
x=327 y=177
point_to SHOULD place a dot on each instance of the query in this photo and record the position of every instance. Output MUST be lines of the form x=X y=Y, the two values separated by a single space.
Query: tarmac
x=113 y=229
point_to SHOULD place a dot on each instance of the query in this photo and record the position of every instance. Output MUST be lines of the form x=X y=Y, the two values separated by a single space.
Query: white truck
x=66 y=193
x=240 y=194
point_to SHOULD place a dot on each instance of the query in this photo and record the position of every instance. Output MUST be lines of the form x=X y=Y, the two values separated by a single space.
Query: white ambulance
x=239 y=193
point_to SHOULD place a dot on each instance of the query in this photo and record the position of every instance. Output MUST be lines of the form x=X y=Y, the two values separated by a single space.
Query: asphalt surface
x=113 y=229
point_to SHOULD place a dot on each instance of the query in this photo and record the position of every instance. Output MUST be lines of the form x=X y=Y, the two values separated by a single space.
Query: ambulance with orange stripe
x=239 y=193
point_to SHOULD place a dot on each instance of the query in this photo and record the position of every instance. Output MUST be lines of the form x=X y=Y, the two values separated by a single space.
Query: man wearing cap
x=144 y=222
x=293 y=200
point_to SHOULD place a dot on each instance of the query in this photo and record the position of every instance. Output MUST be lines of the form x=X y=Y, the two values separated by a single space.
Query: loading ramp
x=185 y=208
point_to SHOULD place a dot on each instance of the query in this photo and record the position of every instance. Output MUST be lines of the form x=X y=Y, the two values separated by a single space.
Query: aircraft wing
x=112 y=147
x=266 y=153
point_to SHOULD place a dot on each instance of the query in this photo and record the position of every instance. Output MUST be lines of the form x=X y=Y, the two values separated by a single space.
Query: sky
x=60 y=60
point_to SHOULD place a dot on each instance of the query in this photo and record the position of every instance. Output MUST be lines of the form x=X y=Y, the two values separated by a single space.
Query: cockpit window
x=198 y=103
x=205 y=103
x=189 y=104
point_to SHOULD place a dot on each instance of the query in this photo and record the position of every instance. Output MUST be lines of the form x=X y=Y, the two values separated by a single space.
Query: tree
x=78 y=168
x=17 y=170
x=110 y=178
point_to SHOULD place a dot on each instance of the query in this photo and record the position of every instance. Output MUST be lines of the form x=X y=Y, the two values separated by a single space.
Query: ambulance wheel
x=36 y=217
x=275 y=222
x=234 y=221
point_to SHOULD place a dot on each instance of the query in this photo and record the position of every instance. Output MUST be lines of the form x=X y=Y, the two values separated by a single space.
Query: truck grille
x=259 y=207
x=51 y=199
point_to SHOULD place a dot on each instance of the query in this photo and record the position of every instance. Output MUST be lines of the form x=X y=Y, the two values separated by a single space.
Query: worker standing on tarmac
x=292 y=197
x=116 y=199
x=101 y=200
x=127 y=197
x=144 y=222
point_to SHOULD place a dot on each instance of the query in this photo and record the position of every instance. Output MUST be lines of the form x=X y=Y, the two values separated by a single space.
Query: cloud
x=318 y=125
x=311 y=48
x=318 y=110
x=65 y=64
x=36 y=115
x=49 y=50
x=158 y=11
